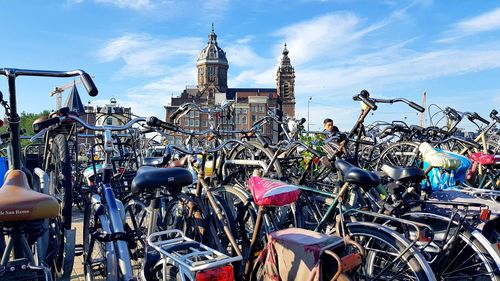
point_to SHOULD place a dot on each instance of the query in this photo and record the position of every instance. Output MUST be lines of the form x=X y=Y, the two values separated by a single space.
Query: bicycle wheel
x=198 y=220
x=99 y=262
x=60 y=186
x=468 y=259
x=239 y=174
x=400 y=154
x=243 y=212
x=137 y=218
x=386 y=258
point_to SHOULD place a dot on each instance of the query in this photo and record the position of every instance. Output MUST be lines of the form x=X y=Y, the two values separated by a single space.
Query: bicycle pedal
x=78 y=250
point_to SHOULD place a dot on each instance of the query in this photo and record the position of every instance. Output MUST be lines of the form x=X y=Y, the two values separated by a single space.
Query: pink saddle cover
x=268 y=192
x=483 y=158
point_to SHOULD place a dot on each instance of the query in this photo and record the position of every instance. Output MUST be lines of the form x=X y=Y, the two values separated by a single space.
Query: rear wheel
x=387 y=257
x=468 y=259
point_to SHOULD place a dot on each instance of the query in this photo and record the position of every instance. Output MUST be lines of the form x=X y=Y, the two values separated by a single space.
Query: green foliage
x=26 y=123
x=315 y=142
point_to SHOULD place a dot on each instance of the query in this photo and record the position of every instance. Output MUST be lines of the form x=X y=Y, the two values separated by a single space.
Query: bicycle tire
x=259 y=152
x=198 y=222
x=368 y=234
x=97 y=263
x=470 y=272
x=60 y=186
x=400 y=154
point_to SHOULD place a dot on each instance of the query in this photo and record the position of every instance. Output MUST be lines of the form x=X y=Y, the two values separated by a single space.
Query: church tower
x=212 y=69
x=286 y=84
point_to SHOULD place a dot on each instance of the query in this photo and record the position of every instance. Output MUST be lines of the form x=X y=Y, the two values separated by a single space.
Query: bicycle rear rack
x=187 y=255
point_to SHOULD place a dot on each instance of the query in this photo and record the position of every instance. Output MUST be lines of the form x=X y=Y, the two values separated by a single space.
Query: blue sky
x=143 y=51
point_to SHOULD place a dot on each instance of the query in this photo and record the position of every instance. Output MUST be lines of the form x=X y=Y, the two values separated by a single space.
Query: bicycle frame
x=112 y=218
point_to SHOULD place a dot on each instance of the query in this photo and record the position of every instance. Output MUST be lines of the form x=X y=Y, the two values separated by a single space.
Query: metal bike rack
x=187 y=254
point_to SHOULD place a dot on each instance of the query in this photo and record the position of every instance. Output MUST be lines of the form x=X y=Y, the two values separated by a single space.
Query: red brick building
x=212 y=89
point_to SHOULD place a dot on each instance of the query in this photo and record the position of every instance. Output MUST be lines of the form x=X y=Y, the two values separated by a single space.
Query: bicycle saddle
x=179 y=163
x=483 y=158
x=403 y=173
x=356 y=175
x=20 y=203
x=267 y=192
x=151 y=178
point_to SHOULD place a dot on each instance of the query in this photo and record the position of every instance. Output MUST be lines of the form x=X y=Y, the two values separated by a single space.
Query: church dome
x=212 y=53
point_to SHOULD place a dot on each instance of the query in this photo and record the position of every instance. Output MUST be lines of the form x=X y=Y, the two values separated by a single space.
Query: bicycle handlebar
x=210 y=150
x=186 y=107
x=475 y=116
x=493 y=115
x=364 y=96
x=58 y=119
x=86 y=79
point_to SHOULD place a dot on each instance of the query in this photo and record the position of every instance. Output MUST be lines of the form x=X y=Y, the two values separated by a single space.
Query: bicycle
x=105 y=249
x=24 y=211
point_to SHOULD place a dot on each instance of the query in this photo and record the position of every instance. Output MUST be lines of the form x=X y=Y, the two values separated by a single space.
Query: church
x=251 y=104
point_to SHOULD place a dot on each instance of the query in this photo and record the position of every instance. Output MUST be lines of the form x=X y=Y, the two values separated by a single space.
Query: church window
x=211 y=74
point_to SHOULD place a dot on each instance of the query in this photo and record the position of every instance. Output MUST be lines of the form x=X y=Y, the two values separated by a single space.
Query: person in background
x=329 y=127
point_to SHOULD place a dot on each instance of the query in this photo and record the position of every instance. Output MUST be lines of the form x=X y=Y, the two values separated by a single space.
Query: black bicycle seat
x=403 y=173
x=355 y=175
x=151 y=178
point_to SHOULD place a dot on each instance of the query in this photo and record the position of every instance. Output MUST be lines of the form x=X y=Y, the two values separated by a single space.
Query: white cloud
x=214 y=9
x=483 y=23
x=130 y=4
x=149 y=56
x=149 y=99
x=320 y=37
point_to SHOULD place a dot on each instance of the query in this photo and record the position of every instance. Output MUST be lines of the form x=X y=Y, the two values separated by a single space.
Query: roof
x=231 y=92
x=74 y=103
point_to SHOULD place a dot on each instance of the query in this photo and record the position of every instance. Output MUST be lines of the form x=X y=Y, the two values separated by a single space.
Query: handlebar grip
x=302 y=121
x=175 y=114
x=416 y=107
x=493 y=115
x=478 y=117
x=155 y=122
x=37 y=127
x=453 y=112
x=89 y=85
x=368 y=102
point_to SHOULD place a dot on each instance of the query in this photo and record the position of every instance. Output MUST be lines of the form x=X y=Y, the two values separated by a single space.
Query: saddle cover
x=437 y=158
x=450 y=169
x=268 y=192
x=293 y=254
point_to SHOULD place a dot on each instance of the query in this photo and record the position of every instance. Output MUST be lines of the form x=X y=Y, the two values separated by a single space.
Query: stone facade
x=251 y=104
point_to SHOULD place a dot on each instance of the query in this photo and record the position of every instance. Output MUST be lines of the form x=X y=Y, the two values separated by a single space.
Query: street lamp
x=308 y=105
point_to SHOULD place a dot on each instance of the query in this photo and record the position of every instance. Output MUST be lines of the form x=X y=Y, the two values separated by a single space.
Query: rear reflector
x=485 y=214
x=425 y=236
x=224 y=273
